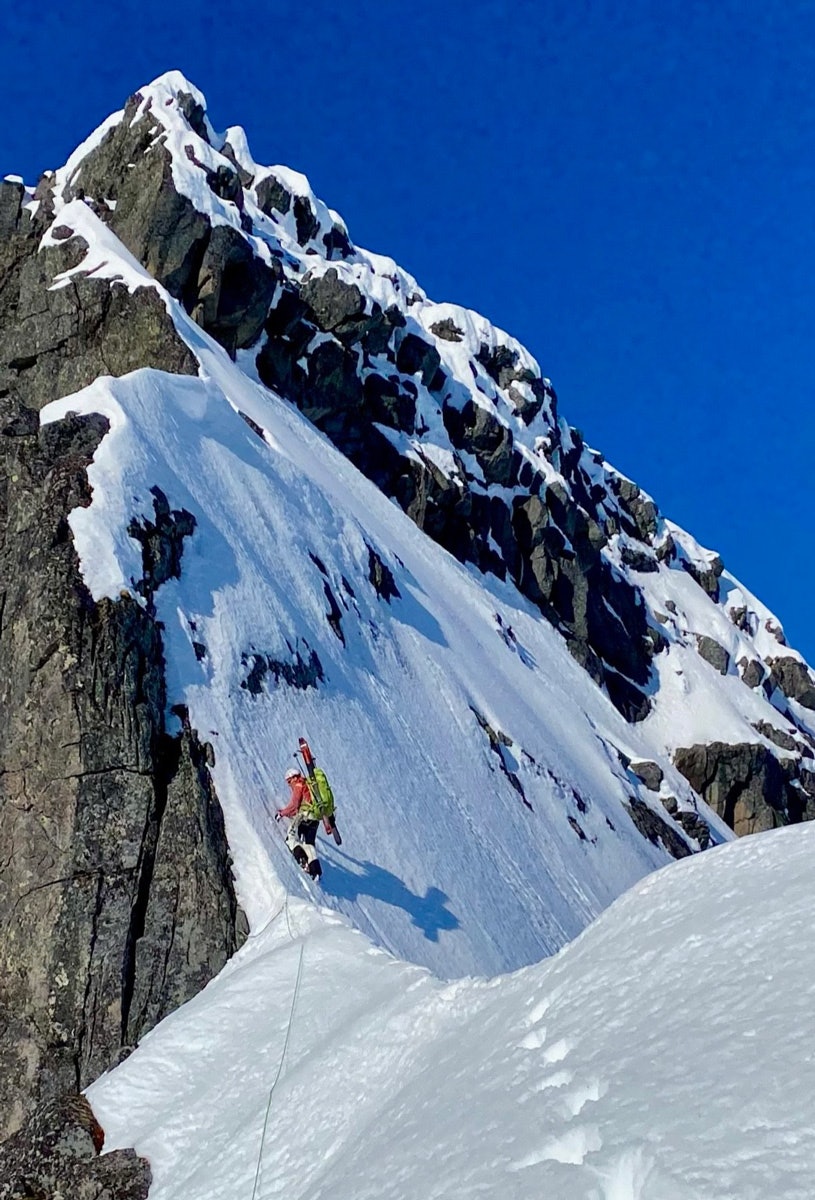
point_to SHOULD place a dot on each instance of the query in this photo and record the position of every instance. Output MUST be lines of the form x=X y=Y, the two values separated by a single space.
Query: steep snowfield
x=445 y=862
x=664 y=1055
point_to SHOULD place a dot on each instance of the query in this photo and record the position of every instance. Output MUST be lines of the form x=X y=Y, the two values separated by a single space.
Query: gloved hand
x=278 y=815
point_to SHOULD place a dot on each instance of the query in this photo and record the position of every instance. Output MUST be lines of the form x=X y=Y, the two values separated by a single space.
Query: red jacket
x=299 y=796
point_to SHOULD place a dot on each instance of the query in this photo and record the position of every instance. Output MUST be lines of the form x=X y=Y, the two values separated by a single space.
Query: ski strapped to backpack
x=321 y=802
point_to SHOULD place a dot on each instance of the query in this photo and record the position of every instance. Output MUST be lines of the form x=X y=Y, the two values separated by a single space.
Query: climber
x=303 y=824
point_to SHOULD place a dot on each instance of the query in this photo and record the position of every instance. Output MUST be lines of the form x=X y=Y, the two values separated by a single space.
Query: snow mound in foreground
x=664 y=1055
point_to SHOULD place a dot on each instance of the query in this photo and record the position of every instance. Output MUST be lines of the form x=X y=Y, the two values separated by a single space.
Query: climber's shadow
x=428 y=913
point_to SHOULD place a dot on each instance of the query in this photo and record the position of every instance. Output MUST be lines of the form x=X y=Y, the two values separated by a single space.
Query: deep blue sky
x=629 y=188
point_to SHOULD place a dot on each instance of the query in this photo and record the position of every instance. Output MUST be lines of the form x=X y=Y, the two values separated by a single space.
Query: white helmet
x=292 y=773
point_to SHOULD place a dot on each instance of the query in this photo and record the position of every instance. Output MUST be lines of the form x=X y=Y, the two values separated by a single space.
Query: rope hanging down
x=280 y=1068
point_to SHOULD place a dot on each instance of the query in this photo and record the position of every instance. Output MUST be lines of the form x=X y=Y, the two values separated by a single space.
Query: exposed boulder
x=502 y=365
x=638 y=559
x=650 y=773
x=447 y=330
x=337 y=243
x=658 y=641
x=753 y=672
x=475 y=429
x=381 y=576
x=743 y=619
x=714 y=653
x=775 y=630
x=334 y=304
x=638 y=509
x=305 y=220
x=786 y=741
x=389 y=402
x=162 y=543
x=695 y=827
x=657 y=830
x=706 y=576
x=415 y=356
x=625 y=696
x=301 y=669
x=273 y=196
x=246 y=178
x=744 y=783
x=793 y=679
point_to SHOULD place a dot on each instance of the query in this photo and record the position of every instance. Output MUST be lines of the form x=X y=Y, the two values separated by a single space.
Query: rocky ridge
x=447 y=414
x=116 y=894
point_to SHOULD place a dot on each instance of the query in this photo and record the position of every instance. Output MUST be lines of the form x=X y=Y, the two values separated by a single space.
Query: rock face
x=543 y=538
x=116 y=894
x=747 y=785
x=794 y=680
x=714 y=653
x=56 y=341
x=354 y=365
x=56 y=1155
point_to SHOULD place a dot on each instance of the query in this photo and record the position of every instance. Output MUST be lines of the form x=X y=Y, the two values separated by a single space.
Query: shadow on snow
x=428 y=913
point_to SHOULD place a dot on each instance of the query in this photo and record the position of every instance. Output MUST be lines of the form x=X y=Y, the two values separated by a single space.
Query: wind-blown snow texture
x=484 y=795
x=445 y=862
x=664 y=1055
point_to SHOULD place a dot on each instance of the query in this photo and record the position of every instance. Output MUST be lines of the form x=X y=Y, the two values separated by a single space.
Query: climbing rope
x=285 y=1046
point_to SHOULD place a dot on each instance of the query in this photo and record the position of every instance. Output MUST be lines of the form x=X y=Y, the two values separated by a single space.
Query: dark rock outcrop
x=381 y=576
x=637 y=507
x=55 y=341
x=695 y=827
x=650 y=773
x=785 y=740
x=213 y=271
x=714 y=653
x=638 y=558
x=233 y=290
x=162 y=543
x=745 y=784
x=473 y=429
x=447 y=330
x=302 y=669
x=791 y=676
x=55 y=1156
x=116 y=894
x=753 y=672
x=657 y=830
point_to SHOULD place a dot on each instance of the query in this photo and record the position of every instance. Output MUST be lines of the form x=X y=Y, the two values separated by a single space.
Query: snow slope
x=664 y=1055
x=445 y=862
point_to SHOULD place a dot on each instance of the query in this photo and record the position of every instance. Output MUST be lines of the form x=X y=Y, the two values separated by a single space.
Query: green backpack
x=321 y=802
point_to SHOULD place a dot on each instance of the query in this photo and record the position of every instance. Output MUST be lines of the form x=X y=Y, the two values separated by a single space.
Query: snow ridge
x=641 y=1063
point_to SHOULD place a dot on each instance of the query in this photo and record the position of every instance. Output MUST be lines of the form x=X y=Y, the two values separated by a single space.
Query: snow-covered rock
x=523 y=680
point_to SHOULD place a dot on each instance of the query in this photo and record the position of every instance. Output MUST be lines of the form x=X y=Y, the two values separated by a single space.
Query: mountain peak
x=261 y=486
